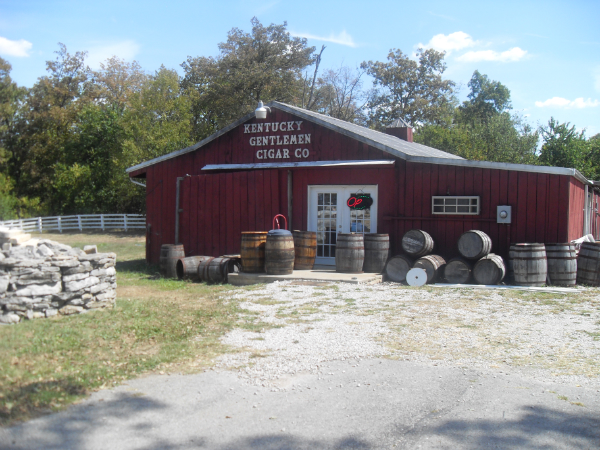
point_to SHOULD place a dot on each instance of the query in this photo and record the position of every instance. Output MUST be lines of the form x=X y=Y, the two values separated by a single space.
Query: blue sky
x=547 y=53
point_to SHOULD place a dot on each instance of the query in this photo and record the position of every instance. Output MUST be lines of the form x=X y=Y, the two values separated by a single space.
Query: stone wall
x=45 y=278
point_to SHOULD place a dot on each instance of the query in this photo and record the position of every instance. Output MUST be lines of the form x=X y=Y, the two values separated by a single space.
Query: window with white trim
x=454 y=205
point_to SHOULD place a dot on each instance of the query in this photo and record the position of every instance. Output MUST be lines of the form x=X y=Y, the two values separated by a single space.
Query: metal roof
x=291 y=165
x=409 y=151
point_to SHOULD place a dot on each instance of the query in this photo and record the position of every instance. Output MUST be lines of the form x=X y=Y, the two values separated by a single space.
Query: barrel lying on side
x=417 y=243
x=397 y=268
x=458 y=271
x=187 y=268
x=562 y=264
x=588 y=264
x=530 y=267
x=377 y=249
x=169 y=254
x=433 y=265
x=216 y=270
x=489 y=270
x=349 y=253
x=474 y=244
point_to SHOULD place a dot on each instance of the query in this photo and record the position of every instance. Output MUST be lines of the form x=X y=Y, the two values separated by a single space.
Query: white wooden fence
x=80 y=222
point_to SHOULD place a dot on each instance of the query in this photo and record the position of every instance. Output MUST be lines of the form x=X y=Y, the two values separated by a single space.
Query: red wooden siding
x=577 y=204
x=217 y=207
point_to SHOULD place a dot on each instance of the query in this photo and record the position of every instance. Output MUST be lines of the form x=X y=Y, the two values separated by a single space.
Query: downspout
x=586 y=215
x=290 y=197
x=137 y=182
x=177 y=210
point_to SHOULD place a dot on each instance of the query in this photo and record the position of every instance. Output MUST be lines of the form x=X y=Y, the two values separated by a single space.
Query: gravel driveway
x=343 y=366
x=547 y=336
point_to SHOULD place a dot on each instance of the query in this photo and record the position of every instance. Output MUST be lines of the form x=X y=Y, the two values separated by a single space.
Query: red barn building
x=307 y=166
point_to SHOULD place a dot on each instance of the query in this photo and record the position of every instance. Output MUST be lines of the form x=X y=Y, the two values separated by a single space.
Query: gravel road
x=347 y=366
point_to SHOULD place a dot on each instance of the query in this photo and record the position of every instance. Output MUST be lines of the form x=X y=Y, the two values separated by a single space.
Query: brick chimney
x=400 y=129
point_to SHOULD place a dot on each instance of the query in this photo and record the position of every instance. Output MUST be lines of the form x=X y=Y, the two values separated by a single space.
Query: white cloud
x=559 y=102
x=14 y=48
x=512 y=55
x=126 y=50
x=342 y=38
x=453 y=41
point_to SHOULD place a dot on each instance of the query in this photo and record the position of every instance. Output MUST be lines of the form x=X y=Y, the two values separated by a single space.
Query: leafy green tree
x=159 y=120
x=487 y=99
x=265 y=64
x=503 y=138
x=564 y=146
x=46 y=125
x=411 y=90
x=117 y=82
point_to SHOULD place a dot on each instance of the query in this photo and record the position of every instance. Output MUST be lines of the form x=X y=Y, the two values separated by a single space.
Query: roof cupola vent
x=400 y=129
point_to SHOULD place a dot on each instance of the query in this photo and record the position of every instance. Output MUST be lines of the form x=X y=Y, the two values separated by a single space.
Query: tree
x=46 y=124
x=486 y=99
x=564 y=146
x=503 y=138
x=340 y=95
x=117 y=81
x=411 y=90
x=265 y=64
x=159 y=120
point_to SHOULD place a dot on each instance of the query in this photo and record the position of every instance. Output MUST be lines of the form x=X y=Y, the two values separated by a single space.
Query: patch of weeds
x=595 y=336
x=577 y=404
x=257 y=326
x=333 y=287
x=318 y=294
x=563 y=397
x=267 y=301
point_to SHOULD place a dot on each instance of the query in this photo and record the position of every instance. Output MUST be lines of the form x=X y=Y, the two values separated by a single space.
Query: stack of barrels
x=476 y=262
x=418 y=246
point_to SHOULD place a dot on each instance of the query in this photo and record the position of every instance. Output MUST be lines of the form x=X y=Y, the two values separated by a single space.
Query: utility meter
x=503 y=214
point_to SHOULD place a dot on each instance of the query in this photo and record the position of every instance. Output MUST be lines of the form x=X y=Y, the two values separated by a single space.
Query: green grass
x=156 y=325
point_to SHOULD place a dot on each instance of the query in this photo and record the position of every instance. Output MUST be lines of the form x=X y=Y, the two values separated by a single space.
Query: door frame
x=343 y=211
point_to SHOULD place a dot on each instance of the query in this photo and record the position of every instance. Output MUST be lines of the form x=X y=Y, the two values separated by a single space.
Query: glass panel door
x=329 y=214
x=327 y=223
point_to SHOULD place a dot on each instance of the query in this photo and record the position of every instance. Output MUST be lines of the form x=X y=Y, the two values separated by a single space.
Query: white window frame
x=455 y=197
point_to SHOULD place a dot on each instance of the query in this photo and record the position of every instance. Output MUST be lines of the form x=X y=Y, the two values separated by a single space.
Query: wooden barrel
x=349 y=253
x=216 y=270
x=377 y=249
x=588 y=264
x=474 y=244
x=562 y=264
x=187 y=268
x=253 y=251
x=169 y=254
x=279 y=253
x=433 y=266
x=417 y=243
x=397 y=268
x=489 y=270
x=458 y=271
x=530 y=267
x=305 y=248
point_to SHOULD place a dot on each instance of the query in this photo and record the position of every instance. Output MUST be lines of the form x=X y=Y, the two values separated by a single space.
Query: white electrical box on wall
x=503 y=214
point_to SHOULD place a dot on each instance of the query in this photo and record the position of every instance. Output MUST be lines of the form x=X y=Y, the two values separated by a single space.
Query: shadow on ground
x=86 y=426
x=536 y=428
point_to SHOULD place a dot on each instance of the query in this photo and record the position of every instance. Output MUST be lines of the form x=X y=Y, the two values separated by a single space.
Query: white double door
x=329 y=214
